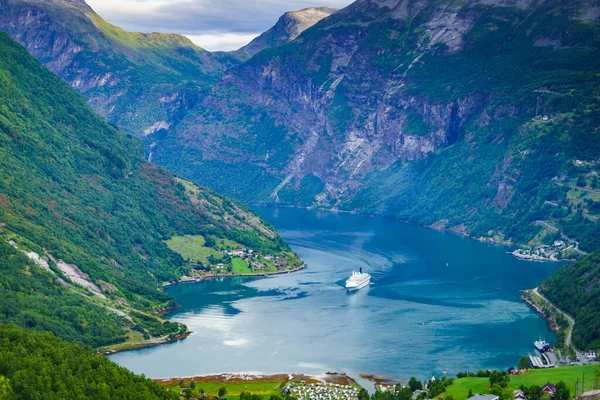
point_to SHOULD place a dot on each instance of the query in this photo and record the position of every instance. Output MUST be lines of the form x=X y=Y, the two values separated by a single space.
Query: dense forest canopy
x=41 y=366
x=575 y=289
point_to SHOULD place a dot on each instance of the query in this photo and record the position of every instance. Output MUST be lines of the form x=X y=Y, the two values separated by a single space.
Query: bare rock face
x=370 y=107
x=288 y=28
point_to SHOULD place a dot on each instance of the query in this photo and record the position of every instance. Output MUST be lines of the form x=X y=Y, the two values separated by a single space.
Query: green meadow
x=460 y=388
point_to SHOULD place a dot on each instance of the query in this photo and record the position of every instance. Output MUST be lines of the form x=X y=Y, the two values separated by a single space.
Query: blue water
x=437 y=303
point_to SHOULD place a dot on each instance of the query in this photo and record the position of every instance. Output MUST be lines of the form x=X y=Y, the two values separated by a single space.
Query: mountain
x=40 y=366
x=474 y=116
x=140 y=82
x=288 y=27
x=84 y=220
x=575 y=288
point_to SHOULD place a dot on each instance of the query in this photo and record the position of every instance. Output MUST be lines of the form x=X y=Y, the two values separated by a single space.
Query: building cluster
x=252 y=257
x=546 y=252
x=321 y=391
x=242 y=253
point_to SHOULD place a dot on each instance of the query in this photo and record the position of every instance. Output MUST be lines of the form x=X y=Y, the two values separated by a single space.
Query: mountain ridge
x=289 y=26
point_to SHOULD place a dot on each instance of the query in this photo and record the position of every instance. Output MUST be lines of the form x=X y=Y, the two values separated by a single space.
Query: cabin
x=549 y=389
x=519 y=395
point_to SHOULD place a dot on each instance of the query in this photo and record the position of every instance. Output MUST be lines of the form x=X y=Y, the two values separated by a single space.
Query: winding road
x=568 y=340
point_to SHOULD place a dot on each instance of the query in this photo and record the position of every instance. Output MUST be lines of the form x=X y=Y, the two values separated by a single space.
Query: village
x=253 y=259
x=557 y=251
x=236 y=261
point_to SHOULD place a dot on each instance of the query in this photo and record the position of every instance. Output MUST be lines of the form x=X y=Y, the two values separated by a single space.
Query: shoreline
x=142 y=345
x=434 y=227
x=154 y=343
x=535 y=307
x=539 y=259
x=249 y=377
x=232 y=275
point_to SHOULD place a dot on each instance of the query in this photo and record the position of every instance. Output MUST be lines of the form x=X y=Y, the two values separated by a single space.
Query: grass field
x=240 y=266
x=192 y=248
x=234 y=389
x=228 y=244
x=460 y=389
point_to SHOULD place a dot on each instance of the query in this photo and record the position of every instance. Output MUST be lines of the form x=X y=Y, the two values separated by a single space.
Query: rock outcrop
x=288 y=27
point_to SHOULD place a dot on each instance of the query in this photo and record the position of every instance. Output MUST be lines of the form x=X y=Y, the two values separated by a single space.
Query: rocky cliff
x=438 y=113
x=474 y=115
x=288 y=27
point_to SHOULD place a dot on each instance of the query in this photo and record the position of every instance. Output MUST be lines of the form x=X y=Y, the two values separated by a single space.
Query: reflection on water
x=436 y=302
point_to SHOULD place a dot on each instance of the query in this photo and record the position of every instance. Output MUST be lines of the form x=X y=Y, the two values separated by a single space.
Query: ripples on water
x=437 y=303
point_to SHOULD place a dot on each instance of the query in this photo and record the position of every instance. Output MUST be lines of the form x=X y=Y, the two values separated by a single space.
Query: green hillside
x=575 y=289
x=41 y=366
x=84 y=220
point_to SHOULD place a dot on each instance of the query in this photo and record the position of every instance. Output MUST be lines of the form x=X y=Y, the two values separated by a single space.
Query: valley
x=382 y=136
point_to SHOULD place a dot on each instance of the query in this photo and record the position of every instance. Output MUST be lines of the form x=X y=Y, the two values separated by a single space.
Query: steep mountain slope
x=476 y=116
x=140 y=82
x=40 y=366
x=576 y=289
x=288 y=27
x=84 y=220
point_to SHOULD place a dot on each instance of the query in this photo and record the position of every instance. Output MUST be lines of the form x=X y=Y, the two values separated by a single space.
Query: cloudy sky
x=212 y=24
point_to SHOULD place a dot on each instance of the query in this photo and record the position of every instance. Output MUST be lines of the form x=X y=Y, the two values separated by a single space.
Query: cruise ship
x=358 y=280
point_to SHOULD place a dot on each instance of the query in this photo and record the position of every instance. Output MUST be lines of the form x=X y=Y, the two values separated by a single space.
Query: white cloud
x=222 y=41
x=212 y=24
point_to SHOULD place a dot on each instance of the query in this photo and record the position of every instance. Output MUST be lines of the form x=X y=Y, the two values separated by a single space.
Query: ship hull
x=359 y=286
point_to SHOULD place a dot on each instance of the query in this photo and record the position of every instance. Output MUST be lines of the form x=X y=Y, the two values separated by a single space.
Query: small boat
x=358 y=280
x=541 y=345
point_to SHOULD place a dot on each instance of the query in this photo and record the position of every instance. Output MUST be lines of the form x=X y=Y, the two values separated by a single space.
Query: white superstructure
x=358 y=280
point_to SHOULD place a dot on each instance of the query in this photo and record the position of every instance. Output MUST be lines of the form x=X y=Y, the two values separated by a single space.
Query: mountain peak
x=289 y=26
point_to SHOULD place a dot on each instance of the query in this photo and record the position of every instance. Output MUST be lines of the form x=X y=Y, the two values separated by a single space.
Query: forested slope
x=84 y=219
x=575 y=289
x=41 y=366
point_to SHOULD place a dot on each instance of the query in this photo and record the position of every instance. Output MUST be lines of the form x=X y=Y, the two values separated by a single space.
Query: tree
x=499 y=377
x=415 y=384
x=470 y=394
x=222 y=391
x=524 y=363
x=562 y=391
x=533 y=393
x=363 y=394
x=187 y=394
x=210 y=242
x=403 y=393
